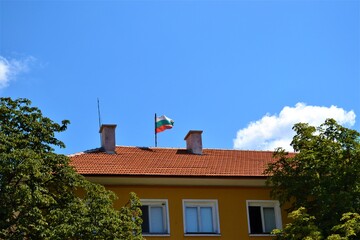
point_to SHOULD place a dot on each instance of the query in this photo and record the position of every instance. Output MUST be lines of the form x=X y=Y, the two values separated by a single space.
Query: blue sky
x=241 y=71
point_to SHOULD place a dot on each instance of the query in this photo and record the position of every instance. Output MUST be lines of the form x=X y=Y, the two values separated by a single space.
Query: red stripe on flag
x=163 y=128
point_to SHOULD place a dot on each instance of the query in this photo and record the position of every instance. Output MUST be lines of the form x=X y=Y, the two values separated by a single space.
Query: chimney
x=194 y=142
x=107 y=132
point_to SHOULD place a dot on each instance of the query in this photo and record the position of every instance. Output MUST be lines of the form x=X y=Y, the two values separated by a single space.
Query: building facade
x=188 y=193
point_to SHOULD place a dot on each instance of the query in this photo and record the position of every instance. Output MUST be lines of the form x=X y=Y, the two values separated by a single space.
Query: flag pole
x=98 y=105
x=155 y=132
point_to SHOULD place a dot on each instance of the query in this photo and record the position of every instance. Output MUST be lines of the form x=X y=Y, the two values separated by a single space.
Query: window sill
x=202 y=235
x=156 y=234
x=262 y=235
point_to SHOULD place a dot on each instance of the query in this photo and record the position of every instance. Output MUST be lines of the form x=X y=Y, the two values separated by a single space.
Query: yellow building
x=188 y=193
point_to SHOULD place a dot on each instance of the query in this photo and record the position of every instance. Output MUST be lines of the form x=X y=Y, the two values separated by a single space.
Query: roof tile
x=137 y=161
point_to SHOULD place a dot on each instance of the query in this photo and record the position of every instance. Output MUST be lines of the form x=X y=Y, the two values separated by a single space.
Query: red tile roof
x=142 y=161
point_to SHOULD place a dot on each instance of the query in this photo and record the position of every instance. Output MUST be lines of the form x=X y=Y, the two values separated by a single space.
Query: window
x=201 y=217
x=155 y=216
x=263 y=216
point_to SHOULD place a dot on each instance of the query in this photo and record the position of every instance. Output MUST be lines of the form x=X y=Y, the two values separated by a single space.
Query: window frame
x=166 y=220
x=198 y=203
x=264 y=204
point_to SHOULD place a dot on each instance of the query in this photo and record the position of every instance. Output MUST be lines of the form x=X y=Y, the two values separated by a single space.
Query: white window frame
x=213 y=203
x=166 y=222
x=264 y=203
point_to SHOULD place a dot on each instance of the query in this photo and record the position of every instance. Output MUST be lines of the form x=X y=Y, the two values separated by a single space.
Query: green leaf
x=39 y=190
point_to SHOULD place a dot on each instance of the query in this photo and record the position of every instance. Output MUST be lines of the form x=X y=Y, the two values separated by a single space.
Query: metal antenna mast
x=98 y=103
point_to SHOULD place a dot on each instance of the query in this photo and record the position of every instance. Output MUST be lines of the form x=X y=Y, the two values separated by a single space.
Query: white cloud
x=11 y=68
x=273 y=131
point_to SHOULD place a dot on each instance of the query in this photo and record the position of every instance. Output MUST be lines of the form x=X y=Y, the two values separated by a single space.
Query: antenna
x=98 y=103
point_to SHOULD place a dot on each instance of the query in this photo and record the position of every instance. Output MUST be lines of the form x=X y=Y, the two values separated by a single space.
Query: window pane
x=191 y=219
x=269 y=219
x=255 y=220
x=206 y=219
x=157 y=221
x=145 y=218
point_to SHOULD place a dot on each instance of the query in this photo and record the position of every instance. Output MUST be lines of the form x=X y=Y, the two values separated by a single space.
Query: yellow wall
x=231 y=204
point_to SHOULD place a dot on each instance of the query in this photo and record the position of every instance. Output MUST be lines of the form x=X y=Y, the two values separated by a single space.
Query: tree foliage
x=302 y=227
x=41 y=195
x=349 y=228
x=324 y=175
x=305 y=227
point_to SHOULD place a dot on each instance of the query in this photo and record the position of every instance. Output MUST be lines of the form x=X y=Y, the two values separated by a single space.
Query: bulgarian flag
x=162 y=123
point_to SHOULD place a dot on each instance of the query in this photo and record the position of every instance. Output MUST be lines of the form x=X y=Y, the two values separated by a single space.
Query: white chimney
x=107 y=132
x=194 y=141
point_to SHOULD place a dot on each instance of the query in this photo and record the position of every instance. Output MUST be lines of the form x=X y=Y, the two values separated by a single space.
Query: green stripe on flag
x=164 y=122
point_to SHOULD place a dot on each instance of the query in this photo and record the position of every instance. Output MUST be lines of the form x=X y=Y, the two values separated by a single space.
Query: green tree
x=324 y=175
x=302 y=227
x=41 y=195
x=349 y=228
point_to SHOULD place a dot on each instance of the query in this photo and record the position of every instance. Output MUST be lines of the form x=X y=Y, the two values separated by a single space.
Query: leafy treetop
x=324 y=175
x=41 y=195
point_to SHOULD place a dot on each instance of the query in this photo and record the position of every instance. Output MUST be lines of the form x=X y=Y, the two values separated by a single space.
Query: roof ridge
x=173 y=148
x=84 y=152
x=225 y=149
x=241 y=150
x=149 y=147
